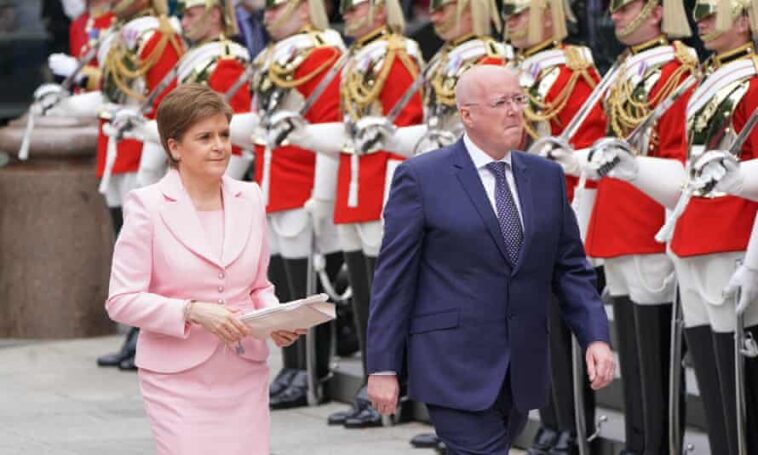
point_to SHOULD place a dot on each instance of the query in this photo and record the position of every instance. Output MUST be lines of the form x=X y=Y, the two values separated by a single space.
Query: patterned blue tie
x=507 y=213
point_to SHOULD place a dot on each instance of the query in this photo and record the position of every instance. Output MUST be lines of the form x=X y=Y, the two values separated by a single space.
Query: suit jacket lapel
x=180 y=217
x=469 y=178
x=523 y=185
x=238 y=218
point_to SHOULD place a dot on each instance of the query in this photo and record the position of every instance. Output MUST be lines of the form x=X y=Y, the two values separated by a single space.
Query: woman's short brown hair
x=183 y=107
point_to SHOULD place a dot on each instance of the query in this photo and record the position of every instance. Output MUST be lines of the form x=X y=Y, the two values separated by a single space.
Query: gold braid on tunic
x=539 y=110
x=358 y=91
x=124 y=66
x=283 y=75
x=628 y=104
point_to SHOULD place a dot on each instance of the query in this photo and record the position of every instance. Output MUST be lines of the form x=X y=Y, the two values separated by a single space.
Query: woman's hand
x=220 y=321
x=284 y=338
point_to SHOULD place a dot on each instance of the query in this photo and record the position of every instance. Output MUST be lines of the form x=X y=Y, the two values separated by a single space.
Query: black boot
x=425 y=441
x=723 y=344
x=701 y=351
x=653 y=325
x=290 y=356
x=565 y=444
x=367 y=416
x=357 y=269
x=295 y=395
x=544 y=440
x=623 y=318
x=127 y=363
x=117 y=219
x=127 y=350
x=751 y=395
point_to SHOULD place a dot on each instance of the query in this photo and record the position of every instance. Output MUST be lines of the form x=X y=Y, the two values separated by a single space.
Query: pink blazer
x=162 y=259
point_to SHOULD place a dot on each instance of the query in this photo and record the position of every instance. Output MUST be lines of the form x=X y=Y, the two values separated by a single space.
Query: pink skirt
x=219 y=406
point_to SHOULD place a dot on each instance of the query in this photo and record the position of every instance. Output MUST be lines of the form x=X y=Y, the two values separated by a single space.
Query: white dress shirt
x=481 y=160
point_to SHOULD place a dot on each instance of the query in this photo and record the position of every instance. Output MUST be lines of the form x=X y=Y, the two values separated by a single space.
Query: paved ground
x=54 y=400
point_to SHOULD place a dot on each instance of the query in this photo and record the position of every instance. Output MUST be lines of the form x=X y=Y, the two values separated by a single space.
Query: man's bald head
x=490 y=104
x=475 y=83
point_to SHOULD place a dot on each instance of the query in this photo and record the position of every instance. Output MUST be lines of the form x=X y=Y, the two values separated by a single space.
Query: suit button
x=220 y=289
x=221 y=275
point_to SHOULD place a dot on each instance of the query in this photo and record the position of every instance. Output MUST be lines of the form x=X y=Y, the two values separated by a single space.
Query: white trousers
x=702 y=280
x=648 y=279
x=291 y=234
x=366 y=237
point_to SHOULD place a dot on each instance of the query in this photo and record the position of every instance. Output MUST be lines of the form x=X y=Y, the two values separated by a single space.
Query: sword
x=244 y=77
x=581 y=115
x=664 y=234
x=23 y=151
x=675 y=373
x=270 y=145
x=111 y=150
x=393 y=114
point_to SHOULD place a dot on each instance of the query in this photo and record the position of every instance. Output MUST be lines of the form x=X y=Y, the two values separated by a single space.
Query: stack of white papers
x=298 y=314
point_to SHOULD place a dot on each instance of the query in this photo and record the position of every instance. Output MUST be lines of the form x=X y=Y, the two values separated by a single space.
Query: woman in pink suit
x=192 y=255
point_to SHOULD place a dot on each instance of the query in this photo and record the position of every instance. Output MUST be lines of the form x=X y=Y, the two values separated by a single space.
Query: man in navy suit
x=476 y=237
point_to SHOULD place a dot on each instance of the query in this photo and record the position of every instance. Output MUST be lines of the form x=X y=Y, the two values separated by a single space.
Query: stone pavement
x=55 y=400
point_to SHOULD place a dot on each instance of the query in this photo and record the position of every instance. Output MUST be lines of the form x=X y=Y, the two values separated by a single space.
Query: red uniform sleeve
x=671 y=127
x=77 y=36
x=226 y=74
x=743 y=112
x=327 y=107
x=165 y=63
x=398 y=81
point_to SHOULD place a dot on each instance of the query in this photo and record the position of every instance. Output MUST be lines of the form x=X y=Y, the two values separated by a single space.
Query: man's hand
x=383 y=391
x=62 y=65
x=612 y=157
x=718 y=170
x=600 y=364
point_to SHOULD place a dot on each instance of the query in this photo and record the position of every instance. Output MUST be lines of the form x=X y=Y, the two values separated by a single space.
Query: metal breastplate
x=273 y=70
x=637 y=89
x=123 y=58
x=442 y=75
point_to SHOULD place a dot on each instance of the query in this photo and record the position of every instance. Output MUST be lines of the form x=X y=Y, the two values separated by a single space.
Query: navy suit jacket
x=448 y=307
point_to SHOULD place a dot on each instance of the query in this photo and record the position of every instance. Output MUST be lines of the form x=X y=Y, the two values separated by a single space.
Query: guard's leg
x=623 y=317
x=653 y=334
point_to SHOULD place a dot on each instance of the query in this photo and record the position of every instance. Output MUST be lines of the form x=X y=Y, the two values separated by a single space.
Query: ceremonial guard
x=709 y=229
x=652 y=71
x=465 y=26
x=134 y=63
x=296 y=75
x=559 y=80
x=84 y=33
x=213 y=59
x=374 y=91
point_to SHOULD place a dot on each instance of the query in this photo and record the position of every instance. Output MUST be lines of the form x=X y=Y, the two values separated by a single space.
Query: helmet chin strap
x=352 y=28
x=647 y=10
x=710 y=36
x=284 y=17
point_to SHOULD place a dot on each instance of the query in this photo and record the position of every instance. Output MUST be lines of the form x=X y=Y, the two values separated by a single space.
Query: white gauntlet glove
x=242 y=128
x=328 y=138
x=48 y=96
x=123 y=121
x=612 y=157
x=281 y=125
x=404 y=139
x=63 y=65
x=371 y=133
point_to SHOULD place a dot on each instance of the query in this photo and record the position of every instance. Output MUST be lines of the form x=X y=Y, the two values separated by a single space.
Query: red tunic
x=592 y=128
x=372 y=170
x=226 y=73
x=723 y=224
x=80 y=33
x=293 y=168
x=624 y=220
x=129 y=151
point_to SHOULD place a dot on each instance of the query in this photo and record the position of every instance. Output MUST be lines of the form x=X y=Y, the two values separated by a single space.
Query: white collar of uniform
x=480 y=157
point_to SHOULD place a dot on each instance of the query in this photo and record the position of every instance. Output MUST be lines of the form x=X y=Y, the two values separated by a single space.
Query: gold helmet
x=226 y=7
x=395 y=18
x=159 y=7
x=674 y=24
x=559 y=10
x=726 y=11
x=316 y=8
x=484 y=14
